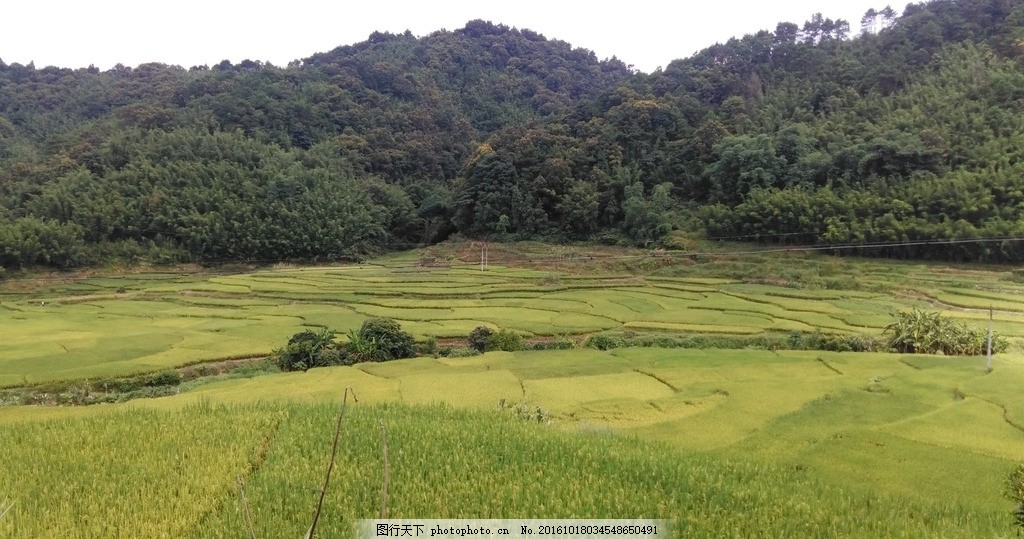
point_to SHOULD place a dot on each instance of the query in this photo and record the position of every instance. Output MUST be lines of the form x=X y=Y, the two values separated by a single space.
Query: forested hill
x=905 y=128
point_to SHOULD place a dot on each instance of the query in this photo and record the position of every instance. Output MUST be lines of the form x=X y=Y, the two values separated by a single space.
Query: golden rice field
x=142 y=322
x=725 y=443
x=739 y=443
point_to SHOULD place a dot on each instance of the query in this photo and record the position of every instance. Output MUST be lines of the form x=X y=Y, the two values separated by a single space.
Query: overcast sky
x=647 y=34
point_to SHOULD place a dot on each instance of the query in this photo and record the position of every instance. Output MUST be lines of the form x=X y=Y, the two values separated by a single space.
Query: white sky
x=645 y=33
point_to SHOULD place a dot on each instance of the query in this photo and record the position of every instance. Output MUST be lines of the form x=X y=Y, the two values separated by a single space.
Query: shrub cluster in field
x=378 y=339
x=928 y=332
x=485 y=339
x=382 y=339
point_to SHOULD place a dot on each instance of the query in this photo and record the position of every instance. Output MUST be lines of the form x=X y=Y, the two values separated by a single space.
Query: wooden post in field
x=988 y=357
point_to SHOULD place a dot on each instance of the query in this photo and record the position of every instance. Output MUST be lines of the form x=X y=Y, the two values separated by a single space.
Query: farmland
x=740 y=442
x=115 y=325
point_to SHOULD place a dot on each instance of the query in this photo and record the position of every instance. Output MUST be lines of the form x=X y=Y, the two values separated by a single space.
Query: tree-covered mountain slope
x=906 y=129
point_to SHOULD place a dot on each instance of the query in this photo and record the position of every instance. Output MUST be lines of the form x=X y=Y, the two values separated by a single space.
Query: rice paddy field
x=725 y=443
x=113 y=325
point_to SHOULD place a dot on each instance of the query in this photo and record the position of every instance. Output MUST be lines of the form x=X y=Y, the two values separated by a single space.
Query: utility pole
x=988 y=357
x=483 y=256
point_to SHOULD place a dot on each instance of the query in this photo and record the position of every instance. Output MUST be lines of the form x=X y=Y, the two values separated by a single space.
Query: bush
x=604 y=342
x=506 y=341
x=427 y=347
x=379 y=339
x=480 y=338
x=560 y=344
x=336 y=356
x=305 y=350
x=924 y=332
x=485 y=339
x=449 y=351
x=382 y=339
x=831 y=342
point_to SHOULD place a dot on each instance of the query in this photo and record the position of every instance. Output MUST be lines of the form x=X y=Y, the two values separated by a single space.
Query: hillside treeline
x=905 y=128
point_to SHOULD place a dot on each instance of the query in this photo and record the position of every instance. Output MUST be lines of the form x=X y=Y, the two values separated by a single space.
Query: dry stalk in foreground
x=330 y=464
x=245 y=506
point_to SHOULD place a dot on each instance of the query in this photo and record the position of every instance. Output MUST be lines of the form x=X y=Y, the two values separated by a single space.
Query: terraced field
x=723 y=442
x=110 y=326
x=802 y=408
x=740 y=443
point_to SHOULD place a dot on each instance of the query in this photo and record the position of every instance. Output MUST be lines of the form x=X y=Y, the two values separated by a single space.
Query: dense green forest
x=904 y=129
